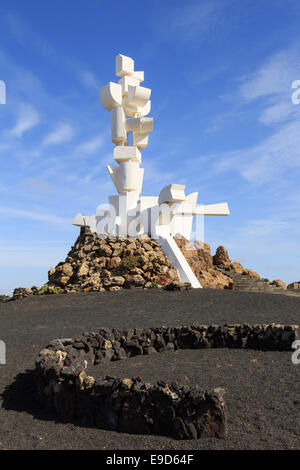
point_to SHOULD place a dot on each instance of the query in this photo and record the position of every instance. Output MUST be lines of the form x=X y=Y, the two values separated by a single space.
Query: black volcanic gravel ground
x=262 y=388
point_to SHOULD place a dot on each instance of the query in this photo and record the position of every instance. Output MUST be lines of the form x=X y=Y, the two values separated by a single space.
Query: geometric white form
x=138 y=96
x=138 y=76
x=114 y=173
x=78 y=220
x=182 y=223
x=220 y=209
x=172 y=193
x=124 y=65
x=131 y=214
x=125 y=153
x=139 y=125
x=118 y=132
x=133 y=111
x=178 y=260
x=140 y=140
x=111 y=96
x=128 y=80
x=129 y=176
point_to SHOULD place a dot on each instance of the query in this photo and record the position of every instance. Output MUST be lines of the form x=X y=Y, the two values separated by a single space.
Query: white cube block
x=140 y=140
x=138 y=95
x=136 y=111
x=111 y=95
x=138 y=75
x=127 y=80
x=129 y=176
x=172 y=193
x=127 y=154
x=133 y=124
x=146 y=124
x=118 y=131
x=124 y=65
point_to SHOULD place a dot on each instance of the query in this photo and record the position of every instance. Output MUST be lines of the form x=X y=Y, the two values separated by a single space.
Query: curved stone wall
x=131 y=405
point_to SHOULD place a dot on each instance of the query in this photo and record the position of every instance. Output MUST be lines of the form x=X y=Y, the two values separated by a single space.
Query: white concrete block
x=118 y=131
x=140 y=140
x=124 y=65
x=182 y=222
x=138 y=95
x=114 y=173
x=78 y=220
x=138 y=76
x=140 y=181
x=127 y=153
x=172 y=193
x=129 y=176
x=125 y=81
x=141 y=125
x=136 y=111
x=178 y=260
x=220 y=209
x=111 y=95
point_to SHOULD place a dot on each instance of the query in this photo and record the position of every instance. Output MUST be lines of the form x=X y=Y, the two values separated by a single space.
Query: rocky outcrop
x=96 y=264
x=252 y=274
x=236 y=267
x=221 y=258
x=199 y=258
x=279 y=283
x=110 y=264
x=4 y=298
x=294 y=285
x=21 y=292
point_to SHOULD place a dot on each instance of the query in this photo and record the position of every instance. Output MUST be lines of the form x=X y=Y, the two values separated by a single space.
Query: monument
x=129 y=214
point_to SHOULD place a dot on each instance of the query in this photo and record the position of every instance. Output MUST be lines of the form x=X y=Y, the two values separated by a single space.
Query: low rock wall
x=131 y=405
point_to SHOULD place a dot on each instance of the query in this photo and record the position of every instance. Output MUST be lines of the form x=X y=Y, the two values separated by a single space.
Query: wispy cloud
x=267 y=161
x=90 y=146
x=63 y=133
x=23 y=214
x=89 y=79
x=194 y=20
x=273 y=77
x=277 y=154
x=28 y=118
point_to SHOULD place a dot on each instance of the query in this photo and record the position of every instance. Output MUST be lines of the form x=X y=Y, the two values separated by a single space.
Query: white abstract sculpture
x=129 y=214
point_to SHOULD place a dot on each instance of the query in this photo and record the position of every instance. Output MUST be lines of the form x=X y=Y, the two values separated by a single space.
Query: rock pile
x=294 y=285
x=199 y=258
x=110 y=264
x=4 y=298
x=96 y=264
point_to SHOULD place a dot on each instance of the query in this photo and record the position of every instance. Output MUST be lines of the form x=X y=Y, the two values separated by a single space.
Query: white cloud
x=23 y=214
x=267 y=160
x=278 y=112
x=89 y=79
x=63 y=133
x=28 y=118
x=276 y=155
x=194 y=20
x=273 y=77
x=90 y=146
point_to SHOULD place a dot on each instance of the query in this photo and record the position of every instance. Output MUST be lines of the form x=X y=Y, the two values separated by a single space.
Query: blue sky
x=225 y=125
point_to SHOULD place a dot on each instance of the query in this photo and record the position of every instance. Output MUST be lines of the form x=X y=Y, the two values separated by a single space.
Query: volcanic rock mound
x=112 y=264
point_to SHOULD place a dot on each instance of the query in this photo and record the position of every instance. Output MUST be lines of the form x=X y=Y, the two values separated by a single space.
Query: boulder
x=294 y=285
x=199 y=258
x=279 y=283
x=221 y=258
x=237 y=267
x=252 y=274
